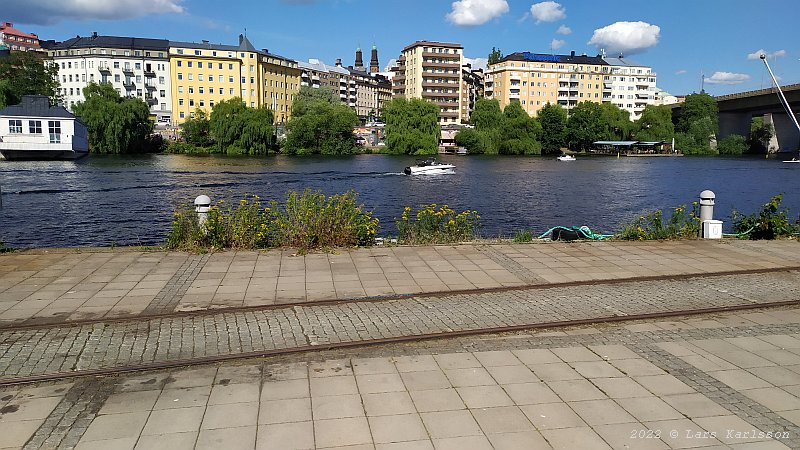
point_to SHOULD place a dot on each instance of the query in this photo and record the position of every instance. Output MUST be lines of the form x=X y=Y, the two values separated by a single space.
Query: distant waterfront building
x=36 y=130
x=366 y=93
x=663 y=97
x=471 y=90
x=17 y=40
x=632 y=85
x=135 y=67
x=432 y=71
x=535 y=79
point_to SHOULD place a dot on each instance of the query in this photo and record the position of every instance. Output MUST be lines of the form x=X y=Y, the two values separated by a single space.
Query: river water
x=129 y=200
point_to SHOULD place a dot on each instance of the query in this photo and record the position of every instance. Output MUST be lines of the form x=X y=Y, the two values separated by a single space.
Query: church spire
x=373 y=62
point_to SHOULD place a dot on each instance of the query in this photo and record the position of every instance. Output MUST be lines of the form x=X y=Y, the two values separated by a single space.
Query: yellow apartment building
x=203 y=74
x=281 y=78
x=535 y=80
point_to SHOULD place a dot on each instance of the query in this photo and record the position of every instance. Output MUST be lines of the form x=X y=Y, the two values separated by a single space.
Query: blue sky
x=680 y=39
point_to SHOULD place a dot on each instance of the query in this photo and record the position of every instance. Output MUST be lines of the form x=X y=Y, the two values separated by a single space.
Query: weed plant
x=524 y=236
x=682 y=224
x=769 y=223
x=306 y=221
x=437 y=225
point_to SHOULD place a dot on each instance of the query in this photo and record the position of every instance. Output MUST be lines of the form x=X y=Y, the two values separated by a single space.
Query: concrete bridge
x=736 y=111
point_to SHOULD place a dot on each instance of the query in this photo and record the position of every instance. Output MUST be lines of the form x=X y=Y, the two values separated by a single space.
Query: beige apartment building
x=471 y=90
x=432 y=71
x=535 y=80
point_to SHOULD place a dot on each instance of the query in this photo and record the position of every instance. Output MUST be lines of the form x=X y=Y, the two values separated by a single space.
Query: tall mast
x=784 y=103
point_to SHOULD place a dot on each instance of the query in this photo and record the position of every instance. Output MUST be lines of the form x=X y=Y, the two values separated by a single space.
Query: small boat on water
x=566 y=158
x=428 y=166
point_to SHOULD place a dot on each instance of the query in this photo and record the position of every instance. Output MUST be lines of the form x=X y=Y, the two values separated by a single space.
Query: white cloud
x=48 y=12
x=548 y=12
x=556 y=44
x=626 y=38
x=392 y=62
x=470 y=13
x=757 y=54
x=477 y=63
x=565 y=30
x=680 y=72
x=727 y=78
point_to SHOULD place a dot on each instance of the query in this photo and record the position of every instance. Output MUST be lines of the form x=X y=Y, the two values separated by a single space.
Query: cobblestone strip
x=169 y=296
x=96 y=346
x=749 y=410
x=64 y=426
x=509 y=264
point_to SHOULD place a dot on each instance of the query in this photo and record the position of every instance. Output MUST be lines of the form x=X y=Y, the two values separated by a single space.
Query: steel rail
x=113 y=371
x=38 y=323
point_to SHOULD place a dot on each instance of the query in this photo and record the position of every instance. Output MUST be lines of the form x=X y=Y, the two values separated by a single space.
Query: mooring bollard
x=712 y=229
x=201 y=206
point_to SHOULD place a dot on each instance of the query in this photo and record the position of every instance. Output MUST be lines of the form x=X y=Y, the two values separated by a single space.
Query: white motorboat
x=566 y=158
x=428 y=166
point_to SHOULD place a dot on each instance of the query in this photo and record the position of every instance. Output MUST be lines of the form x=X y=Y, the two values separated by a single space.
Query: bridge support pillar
x=786 y=135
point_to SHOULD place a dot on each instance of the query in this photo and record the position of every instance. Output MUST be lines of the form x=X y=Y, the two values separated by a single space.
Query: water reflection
x=102 y=200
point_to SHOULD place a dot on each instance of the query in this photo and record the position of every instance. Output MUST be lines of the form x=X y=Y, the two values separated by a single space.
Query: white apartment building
x=317 y=74
x=629 y=85
x=135 y=67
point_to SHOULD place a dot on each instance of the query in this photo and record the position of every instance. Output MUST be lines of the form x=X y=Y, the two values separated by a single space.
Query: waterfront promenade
x=275 y=350
x=63 y=285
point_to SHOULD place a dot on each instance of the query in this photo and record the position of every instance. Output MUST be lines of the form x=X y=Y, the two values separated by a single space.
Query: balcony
x=150 y=87
x=513 y=95
x=440 y=94
x=442 y=65
x=104 y=69
x=439 y=85
x=149 y=74
x=152 y=101
x=129 y=85
x=127 y=70
x=449 y=56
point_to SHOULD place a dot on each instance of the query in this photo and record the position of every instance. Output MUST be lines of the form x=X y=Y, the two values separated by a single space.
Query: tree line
x=321 y=124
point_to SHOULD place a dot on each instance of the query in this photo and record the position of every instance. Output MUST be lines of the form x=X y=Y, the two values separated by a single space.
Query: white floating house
x=35 y=130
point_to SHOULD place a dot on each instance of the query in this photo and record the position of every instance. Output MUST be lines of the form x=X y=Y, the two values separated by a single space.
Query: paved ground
x=719 y=381
x=40 y=351
x=64 y=285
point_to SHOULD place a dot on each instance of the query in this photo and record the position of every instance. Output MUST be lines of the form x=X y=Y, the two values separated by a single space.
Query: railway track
x=31 y=353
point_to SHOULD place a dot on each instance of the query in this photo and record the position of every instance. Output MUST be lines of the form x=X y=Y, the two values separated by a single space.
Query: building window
x=180 y=102
x=54 y=128
x=15 y=126
x=200 y=90
x=191 y=90
x=191 y=102
x=138 y=66
x=188 y=64
x=220 y=66
x=181 y=114
x=180 y=89
x=200 y=77
x=202 y=103
x=200 y=64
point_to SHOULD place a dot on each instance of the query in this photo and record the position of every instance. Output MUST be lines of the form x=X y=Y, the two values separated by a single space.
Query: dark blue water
x=100 y=201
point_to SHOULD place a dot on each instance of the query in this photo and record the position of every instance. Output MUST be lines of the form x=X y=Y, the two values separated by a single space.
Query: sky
x=713 y=44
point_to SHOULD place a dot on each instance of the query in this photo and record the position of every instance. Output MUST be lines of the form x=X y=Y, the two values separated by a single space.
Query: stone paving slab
x=615 y=388
x=57 y=286
x=38 y=351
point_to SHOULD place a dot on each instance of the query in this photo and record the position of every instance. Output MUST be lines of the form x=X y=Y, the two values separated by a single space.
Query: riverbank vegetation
x=116 y=124
x=769 y=223
x=23 y=73
x=433 y=224
x=231 y=129
x=320 y=125
x=412 y=127
x=510 y=131
x=305 y=221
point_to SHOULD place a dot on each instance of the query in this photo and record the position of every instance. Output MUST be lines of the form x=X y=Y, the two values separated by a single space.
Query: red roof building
x=17 y=40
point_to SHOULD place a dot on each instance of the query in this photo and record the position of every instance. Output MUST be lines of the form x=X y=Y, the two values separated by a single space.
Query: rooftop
x=35 y=106
x=544 y=57
x=121 y=42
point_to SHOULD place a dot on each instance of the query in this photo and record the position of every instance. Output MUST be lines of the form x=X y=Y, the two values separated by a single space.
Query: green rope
x=584 y=231
x=739 y=235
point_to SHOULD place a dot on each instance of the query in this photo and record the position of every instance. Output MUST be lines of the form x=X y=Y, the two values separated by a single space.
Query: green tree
x=655 y=124
x=320 y=124
x=412 y=127
x=519 y=132
x=617 y=122
x=487 y=118
x=553 y=119
x=760 y=135
x=734 y=144
x=697 y=141
x=495 y=56
x=115 y=124
x=196 y=130
x=487 y=114
x=697 y=107
x=25 y=73
x=585 y=125
x=239 y=130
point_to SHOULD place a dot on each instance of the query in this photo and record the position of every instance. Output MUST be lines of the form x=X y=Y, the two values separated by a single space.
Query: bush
x=4 y=249
x=769 y=223
x=183 y=148
x=524 y=236
x=733 y=145
x=682 y=224
x=307 y=221
x=437 y=226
